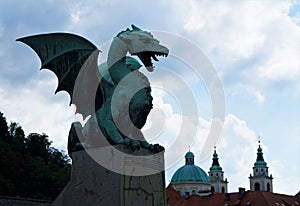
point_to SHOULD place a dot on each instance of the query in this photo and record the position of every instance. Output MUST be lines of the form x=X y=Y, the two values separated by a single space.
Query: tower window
x=212 y=189
x=193 y=192
x=223 y=190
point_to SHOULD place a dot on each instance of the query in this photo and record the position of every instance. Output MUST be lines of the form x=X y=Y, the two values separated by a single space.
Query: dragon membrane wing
x=67 y=55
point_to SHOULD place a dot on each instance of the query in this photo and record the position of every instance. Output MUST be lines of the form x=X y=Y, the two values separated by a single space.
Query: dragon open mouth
x=147 y=56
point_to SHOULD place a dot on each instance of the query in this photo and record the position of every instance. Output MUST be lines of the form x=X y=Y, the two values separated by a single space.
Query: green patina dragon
x=115 y=96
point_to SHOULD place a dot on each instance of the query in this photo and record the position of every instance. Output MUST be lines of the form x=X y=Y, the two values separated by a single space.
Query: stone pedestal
x=108 y=176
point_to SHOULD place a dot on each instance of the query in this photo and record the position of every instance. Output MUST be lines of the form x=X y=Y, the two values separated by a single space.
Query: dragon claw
x=156 y=148
x=126 y=141
x=135 y=145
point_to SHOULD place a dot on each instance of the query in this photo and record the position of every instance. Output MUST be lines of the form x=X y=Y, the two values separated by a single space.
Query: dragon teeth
x=154 y=57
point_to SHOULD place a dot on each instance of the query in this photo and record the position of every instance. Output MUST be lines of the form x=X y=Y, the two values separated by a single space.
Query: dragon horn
x=135 y=28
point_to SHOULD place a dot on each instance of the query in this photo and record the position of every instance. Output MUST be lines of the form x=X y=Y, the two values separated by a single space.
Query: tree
x=30 y=167
x=3 y=127
x=38 y=145
x=17 y=137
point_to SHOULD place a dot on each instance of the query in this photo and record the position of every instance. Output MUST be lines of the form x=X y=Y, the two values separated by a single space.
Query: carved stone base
x=93 y=184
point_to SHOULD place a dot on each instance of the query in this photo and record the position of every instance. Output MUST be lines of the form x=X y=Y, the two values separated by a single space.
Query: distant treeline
x=29 y=166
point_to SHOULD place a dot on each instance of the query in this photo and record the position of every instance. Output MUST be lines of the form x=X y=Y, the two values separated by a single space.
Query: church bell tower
x=216 y=175
x=260 y=181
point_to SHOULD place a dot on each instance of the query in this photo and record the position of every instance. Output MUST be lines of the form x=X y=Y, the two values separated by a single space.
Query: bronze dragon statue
x=115 y=96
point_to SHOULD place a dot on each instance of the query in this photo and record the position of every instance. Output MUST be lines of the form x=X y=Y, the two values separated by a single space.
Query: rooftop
x=251 y=198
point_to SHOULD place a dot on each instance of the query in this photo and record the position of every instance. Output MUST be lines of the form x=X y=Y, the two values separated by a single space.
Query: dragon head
x=143 y=45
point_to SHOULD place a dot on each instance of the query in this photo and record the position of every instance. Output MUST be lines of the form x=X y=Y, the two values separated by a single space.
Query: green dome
x=189 y=154
x=260 y=164
x=215 y=168
x=190 y=174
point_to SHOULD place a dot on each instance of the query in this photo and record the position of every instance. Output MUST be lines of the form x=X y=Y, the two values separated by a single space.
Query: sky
x=253 y=47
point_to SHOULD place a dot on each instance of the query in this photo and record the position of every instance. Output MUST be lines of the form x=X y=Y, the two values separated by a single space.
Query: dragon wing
x=67 y=55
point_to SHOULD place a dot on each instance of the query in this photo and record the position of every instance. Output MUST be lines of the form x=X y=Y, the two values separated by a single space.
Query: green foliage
x=29 y=166
x=3 y=127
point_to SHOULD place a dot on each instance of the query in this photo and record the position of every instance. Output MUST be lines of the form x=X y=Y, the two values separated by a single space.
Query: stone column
x=108 y=176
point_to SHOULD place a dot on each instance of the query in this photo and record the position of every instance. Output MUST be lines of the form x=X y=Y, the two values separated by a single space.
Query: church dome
x=189 y=154
x=190 y=173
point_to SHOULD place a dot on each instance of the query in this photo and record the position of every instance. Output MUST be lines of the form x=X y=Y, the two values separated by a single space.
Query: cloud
x=251 y=43
x=176 y=132
x=283 y=179
x=32 y=108
x=251 y=92
x=101 y=19
x=237 y=151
